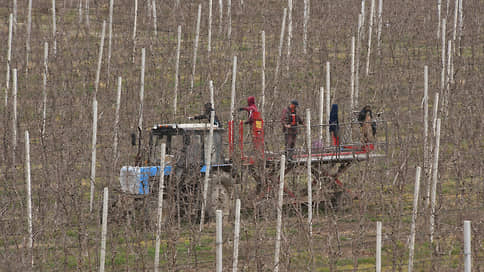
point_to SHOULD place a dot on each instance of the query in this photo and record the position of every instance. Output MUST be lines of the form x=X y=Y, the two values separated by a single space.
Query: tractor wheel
x=220 y=194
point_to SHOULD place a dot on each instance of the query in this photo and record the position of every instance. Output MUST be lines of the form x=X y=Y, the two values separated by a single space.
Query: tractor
x=235 y=167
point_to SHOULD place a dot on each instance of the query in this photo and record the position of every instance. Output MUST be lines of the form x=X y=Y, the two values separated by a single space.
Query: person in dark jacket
x=367 y=125
x=251 y=108
x=206 y=115
x=334 y=124
x=290 y=120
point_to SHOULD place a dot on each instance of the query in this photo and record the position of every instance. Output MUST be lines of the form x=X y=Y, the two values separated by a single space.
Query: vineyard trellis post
x=380 y=24
x=414 y=219
x=110 y=34
x=232 y=97
x=219 y=240
x=426 y=125
x=116 y=122
x=229 y=18
x=328 y=99
x=27 y=42
x=160 y=206
x=54 y=29
x=195 y=47
x=357 y=60
x=281 y=41
x=14 y=119
x=279 y=213
x=236 y=235
x=104 y=229
x=93 y=152
x=467 y=246
x=134 y=27
x=305 y=25
x=289 y=33
x=9 y=59
x=208 y=164
x=352 y=77
x=100 y=58
x=44 y=90
x=370 y=30
x=29 y=196
x=439 y=15
x=142 y=90
x=177 y=69
x=378 y=247
x=209 y=43
x=434 y=180
x=263 y=38
x=321 y=110
x=155 y=29
x=310 y=190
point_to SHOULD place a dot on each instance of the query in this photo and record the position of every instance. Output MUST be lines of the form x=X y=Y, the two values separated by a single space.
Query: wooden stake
x=236 y=235
x=310 y=190
x=177 y=68
x=195 y=47
x=219 y=240
x=15 y=16
x=29 y=196
x=93 y=152
x=442 y=79
x=414 y=219
x=456 y=13
x=99 y=60
x=160 y=205
x=279 y=213
x=104 y=229
x=434 y=180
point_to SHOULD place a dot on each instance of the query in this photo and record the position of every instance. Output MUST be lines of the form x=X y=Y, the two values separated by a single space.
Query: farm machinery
x=238 y=168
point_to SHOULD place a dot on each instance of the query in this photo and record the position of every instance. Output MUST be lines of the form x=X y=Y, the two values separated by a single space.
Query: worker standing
x=290 y=120
x=251 y=108
x=206 y=115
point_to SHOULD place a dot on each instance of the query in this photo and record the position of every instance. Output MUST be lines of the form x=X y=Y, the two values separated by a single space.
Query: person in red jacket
x=251 y=108
x=290 y=121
